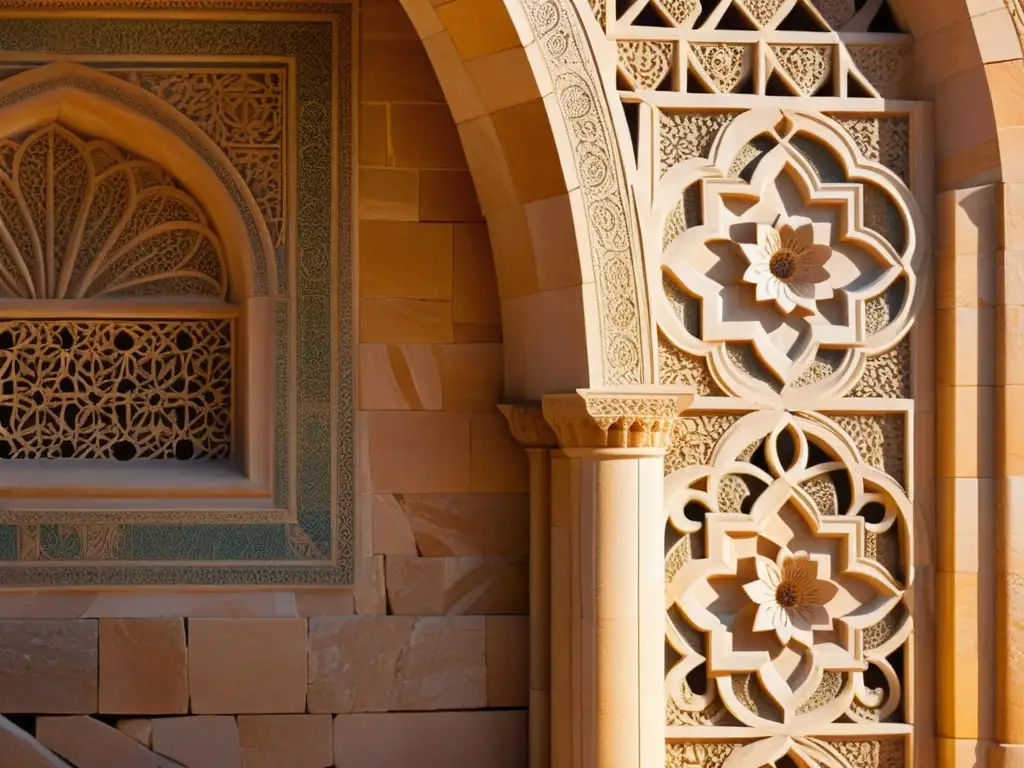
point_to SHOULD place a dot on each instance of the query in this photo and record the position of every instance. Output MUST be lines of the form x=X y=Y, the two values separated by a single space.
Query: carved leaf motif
x=682 y=12
x=725 y=66
x=243 y=112
x=689 y=134
x=777 y=646
x=885 y=140
x=82 y=219
x=645 y=62
x=807 y=67
x=881 y=65
x=836 y=12
x=763 y=11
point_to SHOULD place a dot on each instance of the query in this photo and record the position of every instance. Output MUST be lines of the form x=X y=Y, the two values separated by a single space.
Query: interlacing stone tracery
x=83 y=219
x=778 y=186
x=788 y=204
x=778 y=602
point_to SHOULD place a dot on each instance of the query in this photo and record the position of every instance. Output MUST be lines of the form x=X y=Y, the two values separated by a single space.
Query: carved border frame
x=313 y=332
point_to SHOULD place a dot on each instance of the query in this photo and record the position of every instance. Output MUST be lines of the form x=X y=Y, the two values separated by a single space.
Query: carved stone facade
x=788 y=253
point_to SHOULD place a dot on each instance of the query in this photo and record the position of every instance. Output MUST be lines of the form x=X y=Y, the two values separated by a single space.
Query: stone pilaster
x=607 y=576
x=529 y=428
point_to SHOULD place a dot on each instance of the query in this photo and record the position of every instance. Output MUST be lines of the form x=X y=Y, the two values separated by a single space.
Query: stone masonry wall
x=425 y=662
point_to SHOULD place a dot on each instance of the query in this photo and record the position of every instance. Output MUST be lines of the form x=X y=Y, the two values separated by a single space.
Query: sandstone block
x=48 y=666
x=392 y=534
x=295 y=741
x=424 y=136
x=406 y=260
x=361 y=664
x=204 y=741
x=399 y=377
x=352 y=662
x=397 y=70
x=373 y=134
x=18 y=749
x=476 y=285
x=419 y=451
x=431 y=740
x=143 y=667
x=247 y=665
x=472 y=376
x=448 y=196
x=499 y=462
x=447 y=524
x=418 y=586
x=396 y=321
x=508 y=661
x=89 y=743
x=139 y=728
x=389 y=193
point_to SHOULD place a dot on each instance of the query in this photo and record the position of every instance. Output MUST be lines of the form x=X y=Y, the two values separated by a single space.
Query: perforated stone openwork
x=788 y=573
x=115 y=389
x=83 y=219
x=830 y=241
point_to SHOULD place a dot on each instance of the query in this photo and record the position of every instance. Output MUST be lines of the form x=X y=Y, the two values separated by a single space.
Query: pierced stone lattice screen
x=791 y=246
x=83 y=219
x=115 y=389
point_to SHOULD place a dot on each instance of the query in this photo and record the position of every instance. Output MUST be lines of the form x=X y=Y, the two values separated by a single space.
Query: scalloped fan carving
x=81 y=218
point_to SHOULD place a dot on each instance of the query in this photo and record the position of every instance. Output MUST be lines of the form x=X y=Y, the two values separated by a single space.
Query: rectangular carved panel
x=115 y=389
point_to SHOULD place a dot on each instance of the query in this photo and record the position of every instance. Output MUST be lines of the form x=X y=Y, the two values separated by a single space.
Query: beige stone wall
x=405 y=667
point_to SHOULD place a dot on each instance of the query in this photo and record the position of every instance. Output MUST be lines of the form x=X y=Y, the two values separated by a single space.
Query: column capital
x=621 y=417
x=527 y=425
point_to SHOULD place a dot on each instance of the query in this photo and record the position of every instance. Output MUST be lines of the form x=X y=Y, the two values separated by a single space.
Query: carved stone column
x=607 y=576
x=529 y=428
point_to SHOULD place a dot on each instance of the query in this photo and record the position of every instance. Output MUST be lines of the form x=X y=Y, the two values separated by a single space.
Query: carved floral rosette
x=771 y=172
x=789 y=572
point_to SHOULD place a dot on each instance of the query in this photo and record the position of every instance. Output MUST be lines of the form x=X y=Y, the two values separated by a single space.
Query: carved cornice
x=528 y=426
x=615 y=418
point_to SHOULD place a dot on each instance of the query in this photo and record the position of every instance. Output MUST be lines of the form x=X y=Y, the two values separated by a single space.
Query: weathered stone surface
x=48 y=666
x=204 y=741
x=143 y=667
x=508 y=661
x=431 y=740
x=139 y=728
x=423 y=586
x=89 y=743
x=18 y=749
x=247 y=665
x=449 y=524
x=295 y=741
x=367 y=664
x=392 y=534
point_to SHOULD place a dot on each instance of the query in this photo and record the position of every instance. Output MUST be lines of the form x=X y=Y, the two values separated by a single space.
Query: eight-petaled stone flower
x=791 y=598
x=787 y=267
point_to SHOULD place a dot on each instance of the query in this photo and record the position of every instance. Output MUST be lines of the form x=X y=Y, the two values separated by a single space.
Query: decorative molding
x=823 y=297
x=619 y=418
x=789 y=579
x=528 y=426
x=303 y=533
x=608 y=205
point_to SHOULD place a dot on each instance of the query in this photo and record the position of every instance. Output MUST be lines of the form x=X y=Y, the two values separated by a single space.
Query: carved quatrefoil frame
x=874 y=219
